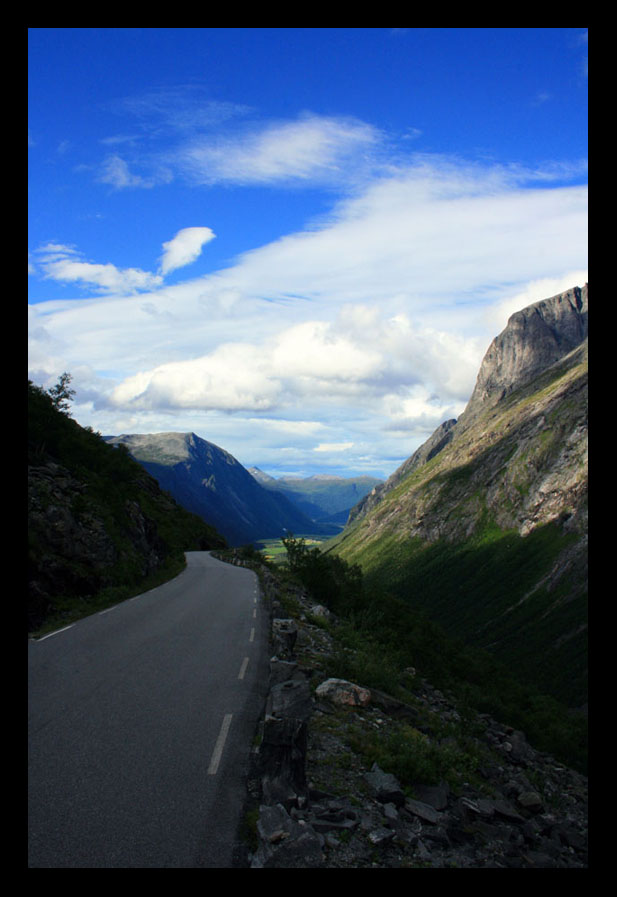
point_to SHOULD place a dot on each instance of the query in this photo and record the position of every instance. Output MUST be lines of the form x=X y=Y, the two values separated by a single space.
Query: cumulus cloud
x=234 y=377
x=184 y=248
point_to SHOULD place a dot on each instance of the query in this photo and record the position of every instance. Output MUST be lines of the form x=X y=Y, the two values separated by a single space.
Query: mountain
x=210 y=482
x=98 y=524
x=323 y=497
x=484 y=527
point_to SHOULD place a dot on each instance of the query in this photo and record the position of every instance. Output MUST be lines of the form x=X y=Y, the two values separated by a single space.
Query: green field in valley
x=274 y=550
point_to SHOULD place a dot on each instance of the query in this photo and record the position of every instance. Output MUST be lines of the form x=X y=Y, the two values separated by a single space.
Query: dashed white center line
x=252 y=635
x=245 y=663
x=220 y=744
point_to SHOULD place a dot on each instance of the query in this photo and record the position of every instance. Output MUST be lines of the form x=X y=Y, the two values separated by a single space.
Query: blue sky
x=296 y=242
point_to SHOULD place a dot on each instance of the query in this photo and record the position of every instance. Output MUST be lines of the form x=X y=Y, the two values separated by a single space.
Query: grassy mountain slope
x=99 y=527
x=488 y=536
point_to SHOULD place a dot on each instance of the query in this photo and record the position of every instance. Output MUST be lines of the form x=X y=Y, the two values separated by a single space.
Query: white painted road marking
x=252 y=635
x=245 y=663
x=220 y=744
x=49 y=634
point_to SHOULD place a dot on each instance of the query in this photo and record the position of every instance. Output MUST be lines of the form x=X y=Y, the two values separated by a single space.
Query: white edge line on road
x=245 y=663
x=49 y=634
x=107 y=609
x=220 y=744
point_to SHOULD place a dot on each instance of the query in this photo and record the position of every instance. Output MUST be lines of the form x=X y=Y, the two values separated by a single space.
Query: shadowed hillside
x=99 y=527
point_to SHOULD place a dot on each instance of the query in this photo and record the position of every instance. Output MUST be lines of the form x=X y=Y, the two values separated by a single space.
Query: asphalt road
x=141 y=722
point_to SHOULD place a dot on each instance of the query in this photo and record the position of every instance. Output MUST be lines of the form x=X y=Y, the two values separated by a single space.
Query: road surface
x=141 y=722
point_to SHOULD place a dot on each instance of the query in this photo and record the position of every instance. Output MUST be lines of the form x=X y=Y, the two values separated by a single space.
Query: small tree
x=60 y=394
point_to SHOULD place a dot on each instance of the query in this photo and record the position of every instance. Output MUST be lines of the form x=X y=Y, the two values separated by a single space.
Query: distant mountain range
x=323 y=497
x=484 y=527
x=208 y=481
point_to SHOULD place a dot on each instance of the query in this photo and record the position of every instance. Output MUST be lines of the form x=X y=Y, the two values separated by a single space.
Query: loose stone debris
x=322 y=806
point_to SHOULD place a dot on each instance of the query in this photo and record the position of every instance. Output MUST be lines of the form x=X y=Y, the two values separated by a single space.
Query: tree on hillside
x=61 y=395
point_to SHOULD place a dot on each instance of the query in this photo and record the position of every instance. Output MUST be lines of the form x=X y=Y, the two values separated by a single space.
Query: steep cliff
x=485 y=526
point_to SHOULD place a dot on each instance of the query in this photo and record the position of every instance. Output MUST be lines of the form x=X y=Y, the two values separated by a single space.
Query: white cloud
x=333 y=447
x=372 y=324
x=115 y=171
x=232 y=378
x=312 y=148
x=63 y=263
x=184 y=248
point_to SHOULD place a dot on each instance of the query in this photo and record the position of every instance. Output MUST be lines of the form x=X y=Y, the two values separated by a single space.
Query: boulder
x=385 y=787
x=343 y=693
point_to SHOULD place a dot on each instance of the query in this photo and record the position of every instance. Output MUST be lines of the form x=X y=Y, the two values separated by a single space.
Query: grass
x=274 y=550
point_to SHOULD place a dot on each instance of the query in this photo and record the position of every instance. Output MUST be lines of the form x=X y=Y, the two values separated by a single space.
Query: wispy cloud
x=177 y=110
x=64 y=264
x=313 y=148
x=115 y=171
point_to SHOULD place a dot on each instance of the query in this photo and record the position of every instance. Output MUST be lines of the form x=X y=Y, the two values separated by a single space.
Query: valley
x=469 y=564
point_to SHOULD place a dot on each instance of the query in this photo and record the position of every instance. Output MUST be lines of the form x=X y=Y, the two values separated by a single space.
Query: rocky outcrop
x=534 y=339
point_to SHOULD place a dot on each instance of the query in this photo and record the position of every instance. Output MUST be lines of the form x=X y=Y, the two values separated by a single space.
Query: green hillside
x=99 y=527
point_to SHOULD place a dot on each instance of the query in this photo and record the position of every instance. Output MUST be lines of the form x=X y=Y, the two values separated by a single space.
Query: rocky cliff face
x=485 y=525
x=210 y=482
x=535 y=338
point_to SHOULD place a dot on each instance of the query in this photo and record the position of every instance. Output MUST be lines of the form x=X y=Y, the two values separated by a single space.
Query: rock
x=343 y=693
x=282 y=754
x=385 y=786
x=434 y=795
x=381 y=836
x=531 y=800
x=284 y=634
x=423 y=811
x=284 y=843
x=318 y=610
x=534 y=338
x=281 y=670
